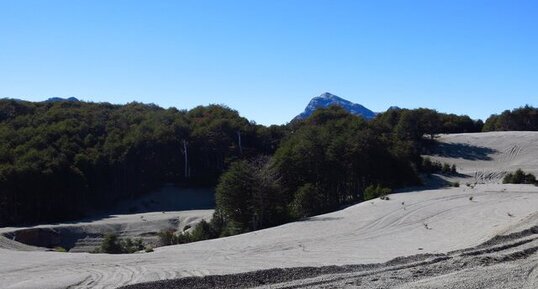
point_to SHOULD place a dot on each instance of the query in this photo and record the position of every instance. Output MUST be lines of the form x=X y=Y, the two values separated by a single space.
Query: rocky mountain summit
x=327 y=99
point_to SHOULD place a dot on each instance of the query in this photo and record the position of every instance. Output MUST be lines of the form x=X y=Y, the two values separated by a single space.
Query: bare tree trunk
x=239 y=140
x=187 y=173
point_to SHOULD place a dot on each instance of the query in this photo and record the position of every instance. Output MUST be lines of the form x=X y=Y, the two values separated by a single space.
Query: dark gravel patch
x=280 y=275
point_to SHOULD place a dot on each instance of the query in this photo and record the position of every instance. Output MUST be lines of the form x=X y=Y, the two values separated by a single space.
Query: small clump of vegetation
x=372 y=192
x=433 y=167
x=60 y=249
x=112 y=244
x=520 y=177
x=202 y=231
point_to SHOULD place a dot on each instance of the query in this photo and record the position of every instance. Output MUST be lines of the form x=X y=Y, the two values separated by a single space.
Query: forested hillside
x=60 y=159
x=522 y=119
x=329 y=160
x=57 y=160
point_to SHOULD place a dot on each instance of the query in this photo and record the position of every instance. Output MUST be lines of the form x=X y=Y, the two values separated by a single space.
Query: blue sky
x=267 y=59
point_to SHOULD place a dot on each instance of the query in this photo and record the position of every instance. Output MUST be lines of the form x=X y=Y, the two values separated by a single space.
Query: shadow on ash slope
x=157 y=211
x=504 y=262
x=487 y=157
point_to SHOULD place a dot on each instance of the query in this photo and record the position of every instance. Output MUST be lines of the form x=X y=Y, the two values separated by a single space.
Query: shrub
x=167 y=238
x=60 y=249
x=446 y=169
x=130 y=246
x=183 y=238
x=202 y=231
x=113 y=245
x=432 y=167
x=372 y=192
x=519 y=177
x=455 y=184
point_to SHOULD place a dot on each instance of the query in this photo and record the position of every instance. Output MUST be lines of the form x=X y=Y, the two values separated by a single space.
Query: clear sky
x=267 y=59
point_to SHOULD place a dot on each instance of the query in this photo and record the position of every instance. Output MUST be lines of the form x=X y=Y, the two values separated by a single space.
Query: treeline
x=519 y=119
x=57 y=160
x=60 y=159
x=519 y=177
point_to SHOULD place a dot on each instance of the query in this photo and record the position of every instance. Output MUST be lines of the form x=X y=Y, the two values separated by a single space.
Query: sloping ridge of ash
x=511 y=257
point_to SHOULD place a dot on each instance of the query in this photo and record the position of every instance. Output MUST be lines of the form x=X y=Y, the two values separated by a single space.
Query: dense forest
x=60 y=159
x=327 y=161
x=522 y=119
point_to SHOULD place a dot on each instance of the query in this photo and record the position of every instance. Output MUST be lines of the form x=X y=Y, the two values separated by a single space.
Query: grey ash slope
x=327 y=99
x=504 y=262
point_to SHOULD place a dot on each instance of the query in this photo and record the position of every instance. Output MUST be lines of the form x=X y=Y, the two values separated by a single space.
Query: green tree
x=519 y=177
x=307 y=201
x=233 y=192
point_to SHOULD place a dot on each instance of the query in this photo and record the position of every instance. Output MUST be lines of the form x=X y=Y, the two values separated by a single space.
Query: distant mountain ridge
x=59 y=99
x=327 y=99
x=48 y=100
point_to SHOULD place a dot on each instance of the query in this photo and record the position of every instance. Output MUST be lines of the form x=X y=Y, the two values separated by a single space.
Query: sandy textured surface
x=487 y=157
x=441 y=222
x=435 y=221
x=169 y=208
x=84 y=236
x=504 y=262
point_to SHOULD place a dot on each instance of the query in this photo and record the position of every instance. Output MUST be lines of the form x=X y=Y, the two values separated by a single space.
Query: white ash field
x=441 y=238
